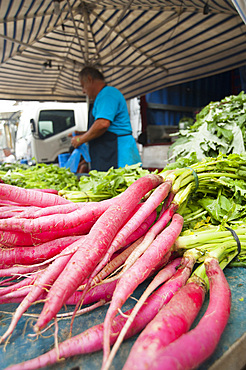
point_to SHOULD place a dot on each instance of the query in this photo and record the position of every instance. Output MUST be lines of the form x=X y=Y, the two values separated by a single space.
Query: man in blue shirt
x=109 y=133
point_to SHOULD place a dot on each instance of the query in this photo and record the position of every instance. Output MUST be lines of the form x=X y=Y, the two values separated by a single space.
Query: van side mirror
x=32 y=123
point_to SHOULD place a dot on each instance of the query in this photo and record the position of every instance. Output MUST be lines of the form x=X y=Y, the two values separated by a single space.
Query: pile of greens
x=220 y=200
x=39 y=176
x=219 y=128
x=101 y=185
x=211 y=195
x=98 y=185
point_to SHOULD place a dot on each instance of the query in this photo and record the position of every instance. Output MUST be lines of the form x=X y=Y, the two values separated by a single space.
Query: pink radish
x=17 y=271
x=94 y=248
x=13 y=287
x=95 y=294
x=43 y=281
x=155 y=199
x=51 y=191
x=31 y=212
x=109 y=268
x=12 y=204
x=14 y=211
x=135 y=238
x=170 y=323
x=158 y=226
x=115 y=263
x=91 y=340
x=30 y=197
x=102 y=292
x=138 y=273
x=193 y=348
x=141 y=230
x=35 y=212
x=180 y=277
x=18 y=238
x=34 y=254
x=15 y=296
x=165 y=274
x=54 y=221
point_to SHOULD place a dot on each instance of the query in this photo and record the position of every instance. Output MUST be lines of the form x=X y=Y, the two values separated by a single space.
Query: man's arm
x=96 y=130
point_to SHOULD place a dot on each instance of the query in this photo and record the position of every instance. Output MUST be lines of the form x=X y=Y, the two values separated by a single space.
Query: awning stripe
x=14 y=35
x=154 y=45
x=241 y=8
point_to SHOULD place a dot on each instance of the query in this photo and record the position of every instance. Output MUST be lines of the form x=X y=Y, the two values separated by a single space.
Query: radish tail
x=194 y=347
x=139 y=272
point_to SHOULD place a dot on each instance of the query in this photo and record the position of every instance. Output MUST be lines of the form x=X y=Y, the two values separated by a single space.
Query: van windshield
x=52 y=122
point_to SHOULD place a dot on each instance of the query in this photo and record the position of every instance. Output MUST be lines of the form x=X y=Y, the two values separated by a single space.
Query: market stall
x=140 y=45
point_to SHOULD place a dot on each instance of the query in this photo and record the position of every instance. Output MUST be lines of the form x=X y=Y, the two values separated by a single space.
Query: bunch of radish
x=92 y=253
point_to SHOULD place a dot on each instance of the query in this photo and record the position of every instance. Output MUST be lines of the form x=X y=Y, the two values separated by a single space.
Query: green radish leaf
x=219 y=128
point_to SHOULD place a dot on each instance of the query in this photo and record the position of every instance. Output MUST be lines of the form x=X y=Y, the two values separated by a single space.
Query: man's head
x=91 y=81
x=7 y=152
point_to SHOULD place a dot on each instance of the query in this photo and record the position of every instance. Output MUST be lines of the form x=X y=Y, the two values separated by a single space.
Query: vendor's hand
x=76 y=132
x=76 y=141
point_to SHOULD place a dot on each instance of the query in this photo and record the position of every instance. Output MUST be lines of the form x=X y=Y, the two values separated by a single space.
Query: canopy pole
x=113 y=28
x=76 y=29
x=86 y=22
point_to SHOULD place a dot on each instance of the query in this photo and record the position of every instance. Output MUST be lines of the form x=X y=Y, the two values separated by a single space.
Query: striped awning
x=140 y=45
x=240 y=5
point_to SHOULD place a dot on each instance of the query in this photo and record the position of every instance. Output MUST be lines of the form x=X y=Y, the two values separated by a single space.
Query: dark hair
x=91 y=71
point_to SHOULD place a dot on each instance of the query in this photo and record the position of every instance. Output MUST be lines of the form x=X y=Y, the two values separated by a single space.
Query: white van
x=43 y=130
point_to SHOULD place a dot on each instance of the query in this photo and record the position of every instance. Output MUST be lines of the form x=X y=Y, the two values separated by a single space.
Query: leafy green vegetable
x=182 y=162
x=97 y=186
x=217 y=241
x=40 y=176
x=217 y=193
x=101 y=185
x=219 y=128
x=115 y=180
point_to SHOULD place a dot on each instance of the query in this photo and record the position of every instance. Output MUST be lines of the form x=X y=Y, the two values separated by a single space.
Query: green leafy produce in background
x=103 y=185
x=219 y=128
x=40 y=176
x=97 y=186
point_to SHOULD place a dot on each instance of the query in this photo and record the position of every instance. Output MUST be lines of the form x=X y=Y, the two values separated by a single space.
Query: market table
x=229 y=355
